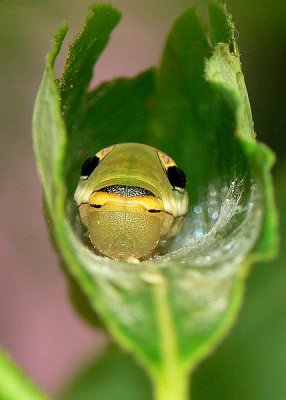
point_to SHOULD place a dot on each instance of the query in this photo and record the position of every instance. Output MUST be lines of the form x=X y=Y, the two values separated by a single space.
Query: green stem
x=172 y=388
x=171 y=382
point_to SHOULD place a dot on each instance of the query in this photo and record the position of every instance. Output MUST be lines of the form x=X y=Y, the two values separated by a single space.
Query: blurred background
x=37 y=323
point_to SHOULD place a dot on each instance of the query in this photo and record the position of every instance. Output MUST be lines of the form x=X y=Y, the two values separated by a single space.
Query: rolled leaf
x=172 y=310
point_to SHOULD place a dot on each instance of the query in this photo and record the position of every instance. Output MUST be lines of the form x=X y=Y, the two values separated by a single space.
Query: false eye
x=177 y=177
x=89 y=166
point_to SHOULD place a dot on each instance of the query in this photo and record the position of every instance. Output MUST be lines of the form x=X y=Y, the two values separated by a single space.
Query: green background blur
x=37 y=324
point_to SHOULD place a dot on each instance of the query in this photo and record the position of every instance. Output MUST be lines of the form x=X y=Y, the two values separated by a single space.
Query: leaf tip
x=106 y=9
x=57 y=44
x=222 y=29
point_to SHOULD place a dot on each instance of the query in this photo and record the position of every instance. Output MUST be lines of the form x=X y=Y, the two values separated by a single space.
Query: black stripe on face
x=127 y=191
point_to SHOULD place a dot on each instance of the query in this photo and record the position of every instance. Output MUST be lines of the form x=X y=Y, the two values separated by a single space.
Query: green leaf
x=113 y=376
x=257 y=371
x=188 y=106
x=224 y=72
x=50 y=138
x=222 y=29
x=83 y=53
x=171 y=311
x=14 y=384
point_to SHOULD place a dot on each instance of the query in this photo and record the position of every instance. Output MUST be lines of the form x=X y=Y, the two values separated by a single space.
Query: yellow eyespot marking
x=102 y=153
x=166 y=160
x=131 y=198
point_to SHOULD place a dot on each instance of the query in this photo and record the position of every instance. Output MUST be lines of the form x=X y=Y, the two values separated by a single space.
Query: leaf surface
x=172 y=310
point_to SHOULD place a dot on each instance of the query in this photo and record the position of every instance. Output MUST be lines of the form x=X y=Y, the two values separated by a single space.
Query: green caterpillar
x=131 y=198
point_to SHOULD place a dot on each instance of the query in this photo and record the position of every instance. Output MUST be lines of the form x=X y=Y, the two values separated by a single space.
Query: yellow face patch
x=131 y=198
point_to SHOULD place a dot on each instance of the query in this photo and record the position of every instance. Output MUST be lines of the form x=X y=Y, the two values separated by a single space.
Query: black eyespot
x=96 y=205
x=177 y=177
x=154 y=211
x=89 y=166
